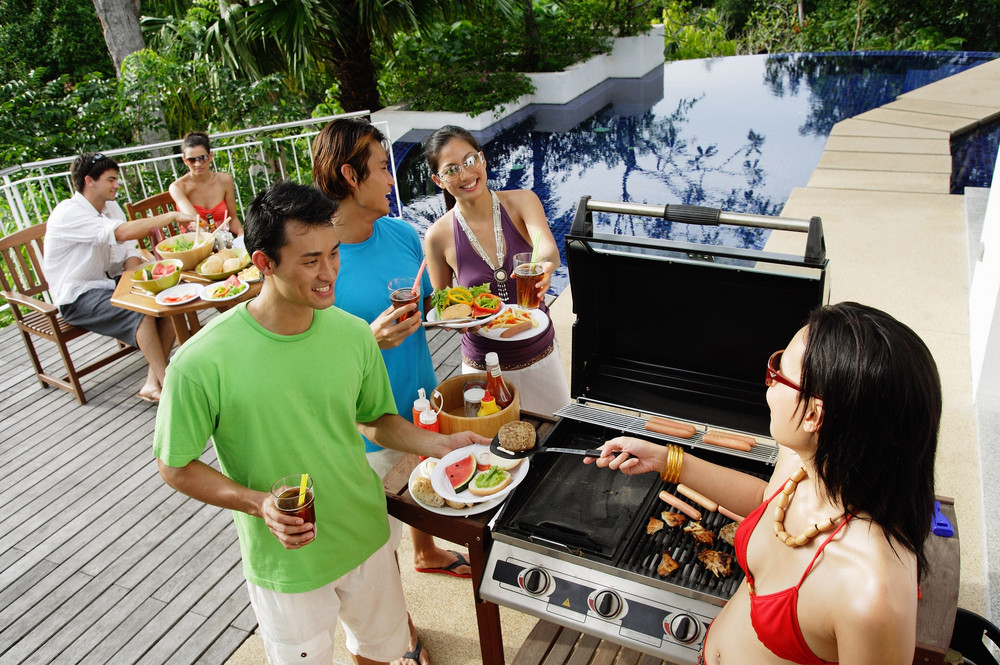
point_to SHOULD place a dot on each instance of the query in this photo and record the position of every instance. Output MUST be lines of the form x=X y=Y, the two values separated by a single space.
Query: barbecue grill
x=663 y=328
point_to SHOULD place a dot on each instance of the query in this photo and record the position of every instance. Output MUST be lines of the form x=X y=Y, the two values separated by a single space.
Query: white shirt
x=81 y=250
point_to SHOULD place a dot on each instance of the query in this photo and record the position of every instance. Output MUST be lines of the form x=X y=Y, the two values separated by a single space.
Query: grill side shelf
x=764 y=451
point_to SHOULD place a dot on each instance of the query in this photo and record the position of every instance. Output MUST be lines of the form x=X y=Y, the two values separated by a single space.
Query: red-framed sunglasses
x=774 y=374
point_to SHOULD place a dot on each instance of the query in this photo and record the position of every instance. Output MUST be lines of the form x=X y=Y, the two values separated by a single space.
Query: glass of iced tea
x=401 y=293
x=527 y=274
x=286 y=490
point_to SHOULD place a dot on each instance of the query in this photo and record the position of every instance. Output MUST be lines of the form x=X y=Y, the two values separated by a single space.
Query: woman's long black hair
x=434 y=145
x=881 y=411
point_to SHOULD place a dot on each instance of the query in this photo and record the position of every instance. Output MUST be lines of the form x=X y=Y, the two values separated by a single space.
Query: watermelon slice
x=162 y=269
x=461 y=473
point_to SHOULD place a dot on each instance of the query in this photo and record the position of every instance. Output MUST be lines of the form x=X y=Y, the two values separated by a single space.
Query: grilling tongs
x=506 y=454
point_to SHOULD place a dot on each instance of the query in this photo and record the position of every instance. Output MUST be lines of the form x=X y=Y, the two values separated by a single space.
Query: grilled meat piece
x=653 y=526
x=667 y=565
x=700 y=533
x=718 y=563
x=673 y=519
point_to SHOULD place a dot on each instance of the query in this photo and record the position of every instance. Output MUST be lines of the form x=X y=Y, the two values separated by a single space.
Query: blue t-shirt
x=362 y=288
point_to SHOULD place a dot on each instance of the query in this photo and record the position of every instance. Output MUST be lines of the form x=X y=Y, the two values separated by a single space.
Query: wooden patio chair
x=151 y=207
x=22 y=286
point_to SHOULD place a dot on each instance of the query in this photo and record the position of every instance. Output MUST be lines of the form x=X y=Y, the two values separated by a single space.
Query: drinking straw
x=534 y=248
x=420 y=273
x=302 y=489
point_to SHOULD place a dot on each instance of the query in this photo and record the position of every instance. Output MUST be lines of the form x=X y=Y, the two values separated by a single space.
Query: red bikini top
x=774 y=616
x=218 y=211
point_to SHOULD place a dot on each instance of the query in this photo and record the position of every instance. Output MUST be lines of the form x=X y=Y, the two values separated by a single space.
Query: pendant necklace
x=499 y=274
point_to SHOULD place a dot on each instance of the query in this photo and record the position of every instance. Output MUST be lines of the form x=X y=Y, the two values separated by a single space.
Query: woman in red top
x=202 y=190
x=832 y=570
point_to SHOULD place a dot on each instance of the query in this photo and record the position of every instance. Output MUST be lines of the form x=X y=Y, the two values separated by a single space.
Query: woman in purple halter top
x=833 y=543
x=474 y=243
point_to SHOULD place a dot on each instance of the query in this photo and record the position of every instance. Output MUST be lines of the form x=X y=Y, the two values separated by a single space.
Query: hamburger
x=516 y=437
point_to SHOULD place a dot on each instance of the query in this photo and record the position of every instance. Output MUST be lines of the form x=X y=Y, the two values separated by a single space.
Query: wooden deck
x=100 y=561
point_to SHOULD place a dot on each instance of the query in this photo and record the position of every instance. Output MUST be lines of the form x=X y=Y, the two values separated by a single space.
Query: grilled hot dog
x=725 y=441
x=670 y=427
x=680 y=505
x=698 y=498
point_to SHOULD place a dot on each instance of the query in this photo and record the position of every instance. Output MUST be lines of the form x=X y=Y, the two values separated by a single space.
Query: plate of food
x=423 y=493
x=474 y=475
x=460 y=307
x=178 y=295
x=250 y=274
x=233 y=287
x=514 y=324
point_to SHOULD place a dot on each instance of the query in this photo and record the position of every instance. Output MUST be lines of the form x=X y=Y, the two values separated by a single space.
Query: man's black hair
x=93 y=164
x=285 y=201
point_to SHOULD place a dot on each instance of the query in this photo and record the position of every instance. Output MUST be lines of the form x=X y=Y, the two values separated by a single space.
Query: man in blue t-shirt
x=351 y=166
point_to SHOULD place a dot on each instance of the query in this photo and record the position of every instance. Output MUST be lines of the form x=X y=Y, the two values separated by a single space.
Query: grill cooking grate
x=644 y=553
x=764 y=451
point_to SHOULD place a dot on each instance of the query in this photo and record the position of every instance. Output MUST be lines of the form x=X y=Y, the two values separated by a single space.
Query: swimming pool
x=733 y=133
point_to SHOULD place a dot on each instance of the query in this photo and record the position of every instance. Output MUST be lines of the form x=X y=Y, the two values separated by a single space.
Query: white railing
x=255 y=158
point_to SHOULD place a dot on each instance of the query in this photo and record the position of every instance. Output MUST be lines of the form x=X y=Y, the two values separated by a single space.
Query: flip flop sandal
x=148 y=398
x=415 y=654
x=450 y=569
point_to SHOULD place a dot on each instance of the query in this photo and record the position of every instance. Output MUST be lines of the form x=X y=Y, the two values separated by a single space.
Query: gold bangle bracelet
x=671 y=472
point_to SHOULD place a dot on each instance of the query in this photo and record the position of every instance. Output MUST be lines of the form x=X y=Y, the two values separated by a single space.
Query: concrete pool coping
x=897 y=240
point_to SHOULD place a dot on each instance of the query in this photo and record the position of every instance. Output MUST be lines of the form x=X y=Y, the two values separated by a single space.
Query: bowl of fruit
x=156 y=276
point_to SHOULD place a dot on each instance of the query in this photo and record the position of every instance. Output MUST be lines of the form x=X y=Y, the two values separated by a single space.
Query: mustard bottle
x=488 y=405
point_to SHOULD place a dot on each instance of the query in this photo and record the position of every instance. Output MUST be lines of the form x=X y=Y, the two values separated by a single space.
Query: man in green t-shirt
x=280 y=385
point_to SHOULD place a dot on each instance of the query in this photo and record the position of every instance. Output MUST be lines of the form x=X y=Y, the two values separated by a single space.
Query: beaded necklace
x=779 y=515
x=499 y=274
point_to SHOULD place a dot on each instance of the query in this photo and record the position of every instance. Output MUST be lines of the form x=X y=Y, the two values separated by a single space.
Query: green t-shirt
x=277 y=405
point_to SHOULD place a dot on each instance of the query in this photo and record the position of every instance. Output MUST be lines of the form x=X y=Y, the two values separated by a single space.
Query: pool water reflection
x=732 y=133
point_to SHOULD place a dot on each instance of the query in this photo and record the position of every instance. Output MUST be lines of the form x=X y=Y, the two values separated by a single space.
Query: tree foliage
x=61 y=36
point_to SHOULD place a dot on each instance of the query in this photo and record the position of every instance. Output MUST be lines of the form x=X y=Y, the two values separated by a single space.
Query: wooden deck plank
x=100 y=561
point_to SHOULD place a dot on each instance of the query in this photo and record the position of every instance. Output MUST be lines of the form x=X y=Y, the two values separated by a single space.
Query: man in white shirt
x=88 y=241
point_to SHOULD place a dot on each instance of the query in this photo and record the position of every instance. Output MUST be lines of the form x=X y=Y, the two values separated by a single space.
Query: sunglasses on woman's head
x=774 y=374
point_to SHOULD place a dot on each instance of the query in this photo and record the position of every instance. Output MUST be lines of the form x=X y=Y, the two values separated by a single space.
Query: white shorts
x=368 y=601
x=382 y=461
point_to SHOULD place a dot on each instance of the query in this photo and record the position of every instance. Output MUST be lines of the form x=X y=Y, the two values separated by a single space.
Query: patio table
x=183 y=317
x=472 y=531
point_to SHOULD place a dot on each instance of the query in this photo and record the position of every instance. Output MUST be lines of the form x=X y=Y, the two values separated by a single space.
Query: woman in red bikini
x=832 y=545
x=203 y=191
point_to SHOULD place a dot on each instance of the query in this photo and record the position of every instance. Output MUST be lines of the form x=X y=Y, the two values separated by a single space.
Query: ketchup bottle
x=419 y=405
x=495 y=384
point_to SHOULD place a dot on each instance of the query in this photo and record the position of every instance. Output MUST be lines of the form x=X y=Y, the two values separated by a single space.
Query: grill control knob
x=535 y=581
x=607 y=604
x=684 y=628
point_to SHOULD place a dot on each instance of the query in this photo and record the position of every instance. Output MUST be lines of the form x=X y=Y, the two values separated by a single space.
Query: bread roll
x=456 y=312
x=457 y=505
x=232 y=264
x=226 y=253
x=423 y=491
x=212 y=265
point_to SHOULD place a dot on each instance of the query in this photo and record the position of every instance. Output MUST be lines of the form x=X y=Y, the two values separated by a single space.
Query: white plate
x=540 y=317
x=432 y=316
x=191 y=290
x=448 y=510
x=205 y=290
x=441 y=484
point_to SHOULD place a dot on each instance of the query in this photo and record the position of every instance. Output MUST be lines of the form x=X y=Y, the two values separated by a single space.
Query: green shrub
x=694 y=32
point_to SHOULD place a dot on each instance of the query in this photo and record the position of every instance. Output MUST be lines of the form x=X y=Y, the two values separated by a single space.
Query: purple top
x=471 y=270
